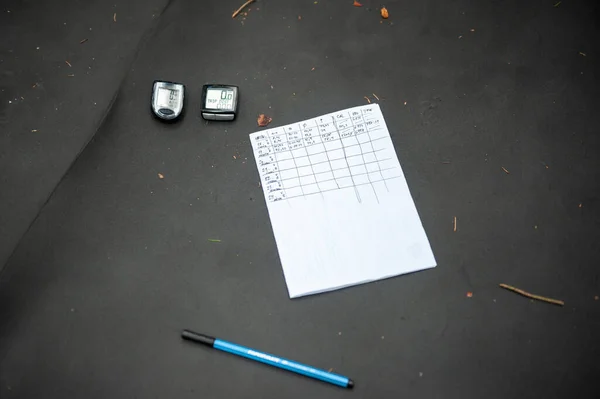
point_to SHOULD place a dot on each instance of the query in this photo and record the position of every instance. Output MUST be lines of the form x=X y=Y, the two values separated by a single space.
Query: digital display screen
x=219 y=99
x=167 y=98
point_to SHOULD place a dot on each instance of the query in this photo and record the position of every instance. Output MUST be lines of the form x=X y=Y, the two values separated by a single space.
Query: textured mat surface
x=118 y=261
x=61 y=64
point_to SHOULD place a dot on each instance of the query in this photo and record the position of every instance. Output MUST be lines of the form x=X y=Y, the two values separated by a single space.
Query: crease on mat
x=146 y=36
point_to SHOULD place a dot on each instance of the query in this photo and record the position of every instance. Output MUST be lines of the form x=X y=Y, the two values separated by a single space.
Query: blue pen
x=269 y=359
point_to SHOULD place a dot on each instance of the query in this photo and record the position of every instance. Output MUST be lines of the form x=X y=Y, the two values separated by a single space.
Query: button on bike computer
x=219 y=102
x=167 y=99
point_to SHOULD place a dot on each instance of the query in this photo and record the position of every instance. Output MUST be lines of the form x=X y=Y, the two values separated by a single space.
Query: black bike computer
x=167 y=99
x=219 y=102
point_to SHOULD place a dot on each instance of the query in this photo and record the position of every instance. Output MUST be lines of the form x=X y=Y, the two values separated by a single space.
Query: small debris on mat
x=161 y=176
x=404 y=102
x=312 y=69
x=83 y=41
x=115 y=17
x=71 y=75
x=454 y=223
x=557 y=3
x=68 y=63
x=580 y=205
x=472 y=30
x=367 y=98
x=420 y=374
x=596 y=297
x=583 y=54
x=384 y=13
x=340 y=333
x=214 y=240
x=375 y=95
x=241 y=8
x=263 y=120
x=357 y=4
x=505 y=170
x=330 y=370
x=469 y=294
x=299 y=17
x=532 y=296
x=33 y=130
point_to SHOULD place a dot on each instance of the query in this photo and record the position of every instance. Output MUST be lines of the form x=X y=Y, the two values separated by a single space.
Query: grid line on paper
x=322 y=181
x=328 y=159
x=343 y=127
x=294 y=160
x=309 y=161
x=335 y=189
x=369 y=135
x=353 y=145
x=338 y=159
x=277 y=163
x=362 y=155
x=346 y=158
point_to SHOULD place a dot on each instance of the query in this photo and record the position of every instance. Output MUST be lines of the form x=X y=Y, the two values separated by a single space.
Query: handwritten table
x=336 y=151
x=339 y=205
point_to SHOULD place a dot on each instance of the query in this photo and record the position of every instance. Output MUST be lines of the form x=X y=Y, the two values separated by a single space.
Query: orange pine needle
x=241 y=8
x=532 y=296
x=357 y=4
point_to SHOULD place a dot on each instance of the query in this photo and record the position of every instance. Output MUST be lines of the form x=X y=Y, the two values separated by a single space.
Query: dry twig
x=532 y=296
x=241 y=8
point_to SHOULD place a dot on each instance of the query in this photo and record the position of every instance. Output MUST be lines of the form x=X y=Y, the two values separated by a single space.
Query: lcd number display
x=219 y=99
x=167 y=98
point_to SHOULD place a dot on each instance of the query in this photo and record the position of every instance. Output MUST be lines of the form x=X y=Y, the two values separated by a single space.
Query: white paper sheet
x=338 y=201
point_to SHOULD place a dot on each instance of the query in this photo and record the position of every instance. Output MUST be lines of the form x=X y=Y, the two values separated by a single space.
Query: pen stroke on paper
x=338 y=201
x=337 y=151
